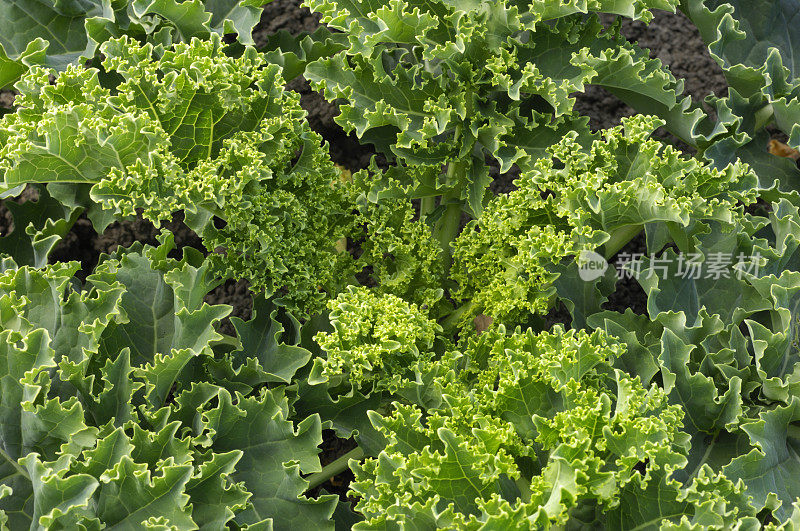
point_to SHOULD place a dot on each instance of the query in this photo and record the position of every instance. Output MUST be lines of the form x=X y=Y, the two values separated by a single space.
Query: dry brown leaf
x=782 y=150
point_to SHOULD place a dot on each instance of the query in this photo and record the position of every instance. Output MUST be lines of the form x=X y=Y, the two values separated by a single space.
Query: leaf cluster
x=403 y=311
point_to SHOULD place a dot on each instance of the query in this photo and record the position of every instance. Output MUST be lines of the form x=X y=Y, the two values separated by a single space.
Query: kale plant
x=449 y=348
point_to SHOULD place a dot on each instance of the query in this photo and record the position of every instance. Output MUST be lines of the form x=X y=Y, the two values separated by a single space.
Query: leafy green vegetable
x=755 y=44
x=402 y=319
x=542 y=431
x=507 y=262
x=57 y=33
x=444 y=85
x=726 y=352
x=198 y=131
x=149 y=435
x=372 y=337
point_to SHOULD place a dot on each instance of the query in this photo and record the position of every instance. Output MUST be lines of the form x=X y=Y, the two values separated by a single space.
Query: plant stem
x=426 y=206
x=524 y=487
x=446 y=231
x=447 y=226
x=619 y=238
x=334 y=468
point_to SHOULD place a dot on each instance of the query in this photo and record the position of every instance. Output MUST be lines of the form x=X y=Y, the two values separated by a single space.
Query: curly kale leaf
x=507 y=262
x=449 y=83
x=55 y=33
x=195 y=130
x=628 y=181
x=398 y=251
x=39 y=224
x=113 y=414
x=755 y=44
x=376 y=339
x=721 y=334
x=504 y=262
x=540 y=430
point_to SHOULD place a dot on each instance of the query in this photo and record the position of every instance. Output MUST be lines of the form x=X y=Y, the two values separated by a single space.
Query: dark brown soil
x=284 y=15
x=7 y=99
x=628 y=292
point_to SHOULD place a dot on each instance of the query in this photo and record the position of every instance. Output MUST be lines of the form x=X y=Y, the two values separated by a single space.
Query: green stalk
x=426 y=206
x=334 y=468
x=620 y=238
x=763 y=116
x=446 y=230
x=524 y=487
